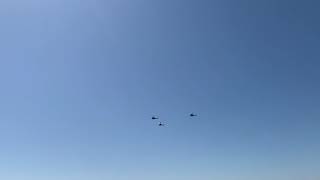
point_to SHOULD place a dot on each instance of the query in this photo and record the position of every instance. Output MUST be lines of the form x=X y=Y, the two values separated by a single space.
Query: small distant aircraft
x=153 y=117
x=192 y=115
x=161 y=124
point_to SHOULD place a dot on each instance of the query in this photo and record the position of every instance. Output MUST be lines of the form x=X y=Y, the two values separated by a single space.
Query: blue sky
x=80 y=81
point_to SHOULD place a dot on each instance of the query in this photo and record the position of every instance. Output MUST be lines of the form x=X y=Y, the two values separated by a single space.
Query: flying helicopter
x=153 y=117
x=193 y=115
x=161 y=124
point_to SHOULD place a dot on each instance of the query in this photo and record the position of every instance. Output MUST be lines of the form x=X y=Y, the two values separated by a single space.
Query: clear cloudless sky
x=80 y=81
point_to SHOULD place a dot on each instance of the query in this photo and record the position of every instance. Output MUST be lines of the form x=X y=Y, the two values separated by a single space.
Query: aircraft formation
x=160 y=124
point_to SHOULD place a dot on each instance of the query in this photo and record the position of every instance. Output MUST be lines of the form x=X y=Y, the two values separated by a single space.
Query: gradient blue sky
x=81 y=79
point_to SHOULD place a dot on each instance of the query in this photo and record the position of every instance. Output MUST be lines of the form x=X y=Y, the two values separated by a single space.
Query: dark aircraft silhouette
x=161 y=124
x=192 y=115
x=153 y=117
